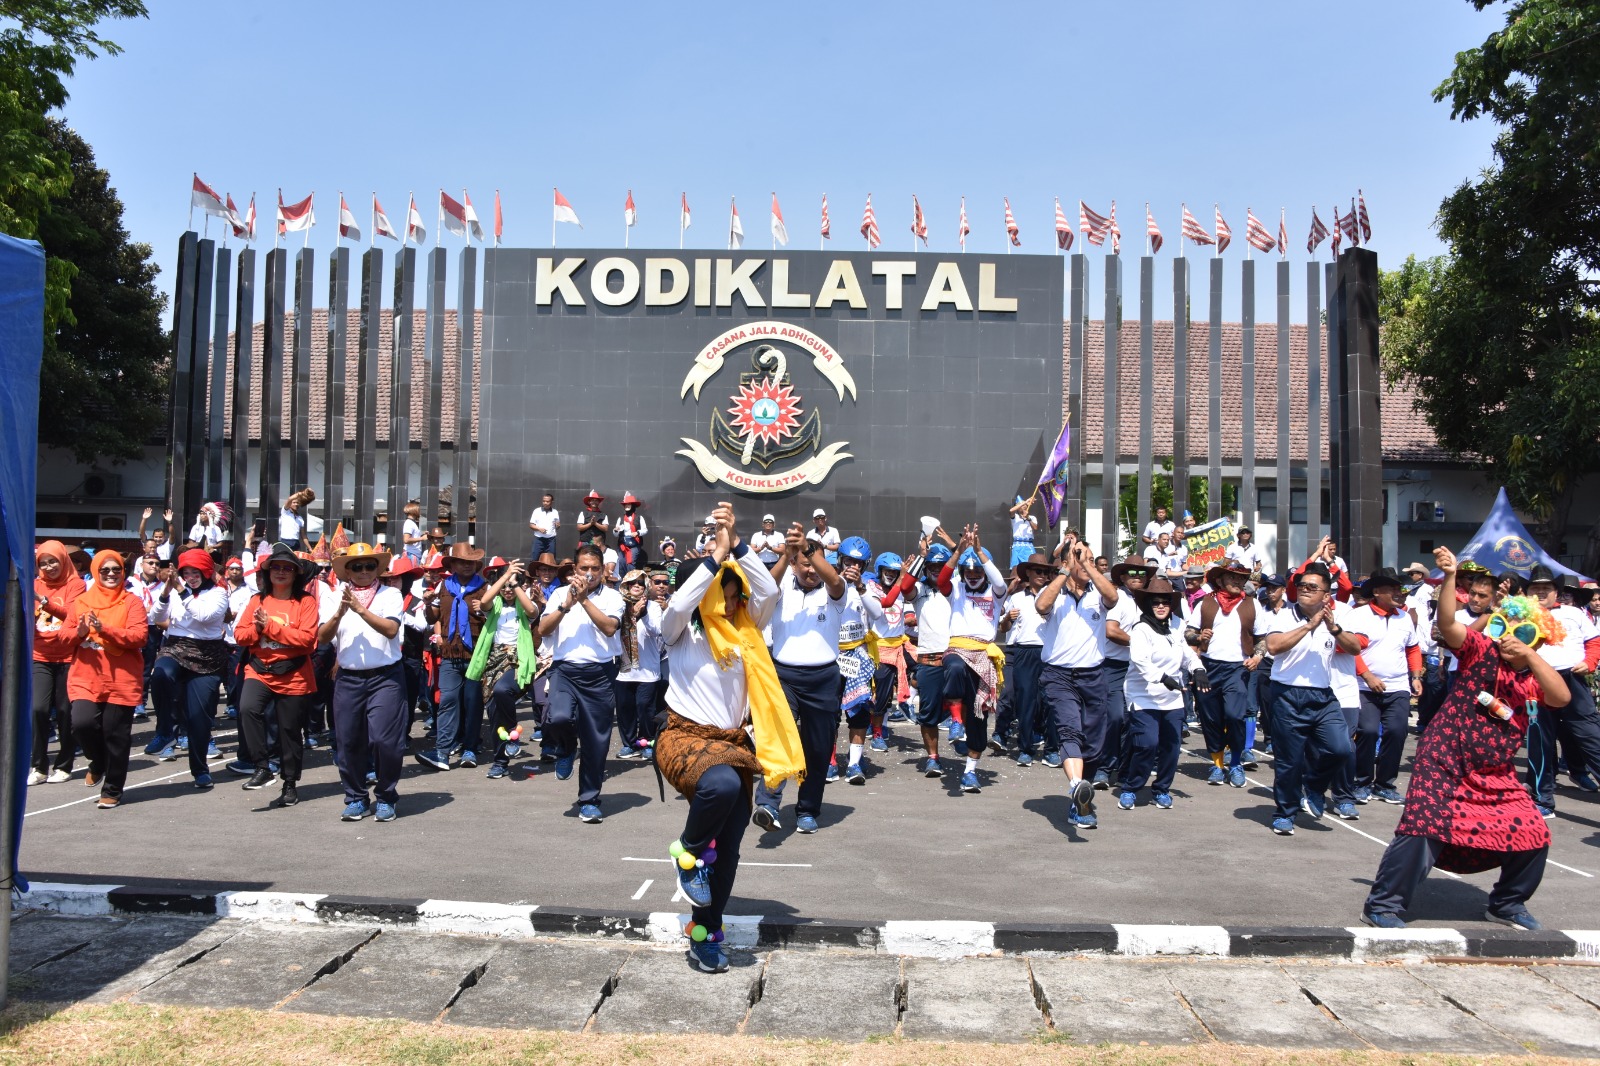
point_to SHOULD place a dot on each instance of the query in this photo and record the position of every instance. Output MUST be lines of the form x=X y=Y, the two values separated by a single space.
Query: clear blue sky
x=1265 y=104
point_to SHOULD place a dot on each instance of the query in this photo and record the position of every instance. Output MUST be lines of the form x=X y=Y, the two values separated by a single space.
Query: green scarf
x=526 y=656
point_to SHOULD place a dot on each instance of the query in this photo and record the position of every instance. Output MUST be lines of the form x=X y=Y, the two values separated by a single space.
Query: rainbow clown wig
x=1523 y=618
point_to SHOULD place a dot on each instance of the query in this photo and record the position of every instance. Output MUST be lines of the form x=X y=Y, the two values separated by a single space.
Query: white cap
x=711 y=520
x=768 y=518
x=819 y=513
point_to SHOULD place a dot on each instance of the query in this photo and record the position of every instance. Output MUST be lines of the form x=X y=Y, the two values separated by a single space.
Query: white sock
x=855 y=754
x=972 y=765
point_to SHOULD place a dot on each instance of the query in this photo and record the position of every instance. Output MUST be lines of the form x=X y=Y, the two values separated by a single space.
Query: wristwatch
x=1337 y=629
x=808 y=548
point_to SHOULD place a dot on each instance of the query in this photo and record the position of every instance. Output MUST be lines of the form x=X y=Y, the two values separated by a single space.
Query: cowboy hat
x=403 y=566
x=1158 y=588
x=633 y=575
x=282 y=553
x=1119 y=573
x=628 y=497
x=1036 y=561
x=464 y=552
x=360 y=551
x=1384 y=575
x=594 y=494
x=1417 y=568
x=1194 y=573
x=436 y=533
x=1227 y=566
x=496 y=563
x=545 y=559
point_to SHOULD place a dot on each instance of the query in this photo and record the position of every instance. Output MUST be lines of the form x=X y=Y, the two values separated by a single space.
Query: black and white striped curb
x=927 y=939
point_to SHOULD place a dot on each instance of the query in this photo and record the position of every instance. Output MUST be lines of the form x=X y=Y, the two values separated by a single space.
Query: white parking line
x=742 y=863
x=95 y=797
x=644 y=888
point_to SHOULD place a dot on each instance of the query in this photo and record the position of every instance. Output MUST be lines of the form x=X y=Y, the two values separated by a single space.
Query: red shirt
x=290 y=632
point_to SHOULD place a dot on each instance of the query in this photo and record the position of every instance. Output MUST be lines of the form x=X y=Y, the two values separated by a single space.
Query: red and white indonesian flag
x=381 y=226
x=415 y=230
x=242 y=227
x=780 y=232
x=1224 y=234
x=452 y=215
x=499 y=218
x=1011 y=225
x=963 y=228
x=735 y=227
x=630 y=214
x=347 y=221
x=919 y=222
x=206 y=199
x=295 y=218
x=1192 y=229
x=564 y=212
x=1063 y=228
x=473 y=225
x=1256 y=234
x=1151 y=230
x=683 y=211
x=827 y=227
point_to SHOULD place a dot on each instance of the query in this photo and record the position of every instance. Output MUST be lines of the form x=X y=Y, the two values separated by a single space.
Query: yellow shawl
x=737 y=642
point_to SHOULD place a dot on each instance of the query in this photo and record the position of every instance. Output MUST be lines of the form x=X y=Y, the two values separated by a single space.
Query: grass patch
x=140 y=1035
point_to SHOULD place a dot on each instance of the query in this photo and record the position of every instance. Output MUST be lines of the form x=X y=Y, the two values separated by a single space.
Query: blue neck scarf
x=460 y=618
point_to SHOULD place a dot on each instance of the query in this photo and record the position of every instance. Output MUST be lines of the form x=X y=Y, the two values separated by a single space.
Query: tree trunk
x=1591 y=554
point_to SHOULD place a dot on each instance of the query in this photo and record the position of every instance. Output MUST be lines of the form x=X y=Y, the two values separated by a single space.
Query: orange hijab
x=66 y=573
x=109 y=605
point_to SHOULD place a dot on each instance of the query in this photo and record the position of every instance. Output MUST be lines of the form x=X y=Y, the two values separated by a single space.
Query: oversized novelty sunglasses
x=1500 y=626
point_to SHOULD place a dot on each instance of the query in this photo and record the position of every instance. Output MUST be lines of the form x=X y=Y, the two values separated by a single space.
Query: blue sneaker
x=538 y=734
x=160 y=744
x=957 y=730
x=1217 y=776
x=805 y=824
x=853 y=775
x=497 y=771
x=433 y=760
x=1546 y=813
x=1389 y=795
x=1585 y=781
x=241 y=767
x=969 y=782
x=181 y=745
x=878 y=744
x=212 y=754
x=563 y=768
x=202 y=781
x=511 y=749
x=896 y=715
x=1089 y=820
x=1053 y=760
x=1517 y=919
x=931 y=768
x=833 y=774
x=372 y=778
x=1163 y=801
x=1347 y=811
x=766 y=818
x=1284 y=827
x=469 y=760
x=1236 y=776
x=707 y=957
x=275 y=767
x=1315 y=804
x=695 y=883
x=355 y=810
x=233 y=713
x=169 y=753
x=313 y=742
x=590 y=813
x=1024 y=759
x=383 y=812
x=1361 y=794
x=1127 y=800
x=961 y=748
x=1382 y=919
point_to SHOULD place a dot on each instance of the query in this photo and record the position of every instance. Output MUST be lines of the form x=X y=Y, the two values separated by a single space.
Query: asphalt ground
x=901 y=847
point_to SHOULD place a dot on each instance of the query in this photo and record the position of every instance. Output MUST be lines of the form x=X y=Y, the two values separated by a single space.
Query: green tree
x=103 y=387
x=1500 y=337
x=40 y=44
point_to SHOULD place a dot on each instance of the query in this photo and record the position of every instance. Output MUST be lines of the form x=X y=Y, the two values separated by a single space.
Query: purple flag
x=1053 y=482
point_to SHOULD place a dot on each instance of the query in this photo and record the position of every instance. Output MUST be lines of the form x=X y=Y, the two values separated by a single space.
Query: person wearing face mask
x=805 y=651
x=107 y=624
x=1159 y=657
x=369 y=691
x=194 y=655
x=506 y=656
x=1222 y=628
x=857 y=654
x=582 y=620
x=973 y=663
x=277 y=630
x=54 y=590
x=1310 y=737
x=639 y=676
x=1465 y=810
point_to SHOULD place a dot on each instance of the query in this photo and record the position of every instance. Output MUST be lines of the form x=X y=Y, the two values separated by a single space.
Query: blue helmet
x=938 y=555
x=889 y=561
x=970 y=560
x=856 y=550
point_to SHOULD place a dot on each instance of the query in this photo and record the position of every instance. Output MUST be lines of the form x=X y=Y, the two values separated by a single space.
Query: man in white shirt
x=1129 y=576
x=205 y=533
x=1024 y=650
x=767 y=542
x=1310 y=739
x=1246 y=552
x=544 y=521
x=369 y=693
x=1158 y=525
x=581 y=619
x=805 y=651
x=1390 y=674
x=1577 y=723
x=1222 y=628
x=976 y=591
x=1074 y=606
x=823 y=533
x=932 y=613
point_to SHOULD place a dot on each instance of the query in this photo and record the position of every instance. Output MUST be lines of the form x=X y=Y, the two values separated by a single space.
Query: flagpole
x=553 y=191
x=770 y=232
x=626 y=226
x=191 y=200
x=1247 y=245
x=338 y=237
x=438 y=230
x=372 y=234
x=913 y=224
x=497 y=218
x=464 y=208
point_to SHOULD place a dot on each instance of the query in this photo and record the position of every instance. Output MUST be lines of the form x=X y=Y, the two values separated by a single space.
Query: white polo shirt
x=576 y=638
x=1028 y=629
x=1154 y=529
x=698 y=688
x=1075 y=630
x=933 y=622
x=1569 y=652
x=1126 y=614
x=805 y=627
x=1309 y=663
x=1388 y=637
x=357 y=645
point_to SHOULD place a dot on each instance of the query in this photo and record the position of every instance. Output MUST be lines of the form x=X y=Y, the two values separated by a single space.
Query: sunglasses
x=279 y=566
x=362 y=568
x=111 y=569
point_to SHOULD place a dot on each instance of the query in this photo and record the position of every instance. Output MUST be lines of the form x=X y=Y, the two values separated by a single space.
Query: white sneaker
x=58 y=776
x=35 y=778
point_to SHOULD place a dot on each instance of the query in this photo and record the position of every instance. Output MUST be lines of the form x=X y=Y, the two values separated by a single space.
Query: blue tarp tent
x=21 y=349
x=1502 y=543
